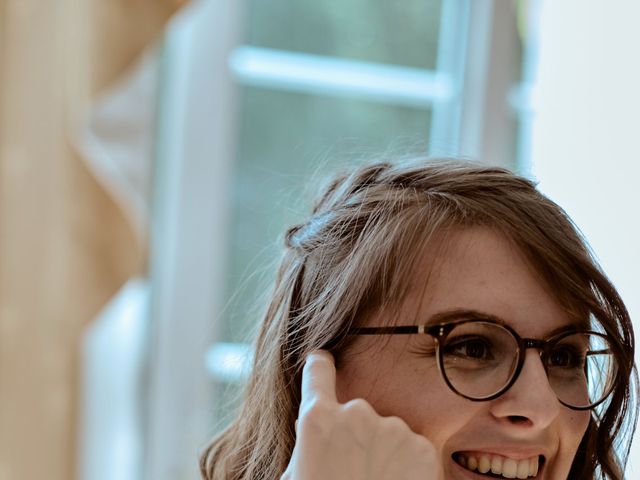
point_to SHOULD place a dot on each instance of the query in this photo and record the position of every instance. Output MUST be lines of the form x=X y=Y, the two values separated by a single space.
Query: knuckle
x=315 y=408
x=315 y=417
x=358 y=420
x=396 y=431
x=423 y=448
x=358 y=414
x=395 y=427
x=423 y=444
x=358 y=407
x=396 y=424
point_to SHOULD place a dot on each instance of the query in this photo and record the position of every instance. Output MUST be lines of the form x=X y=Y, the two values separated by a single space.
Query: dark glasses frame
x=440 y=332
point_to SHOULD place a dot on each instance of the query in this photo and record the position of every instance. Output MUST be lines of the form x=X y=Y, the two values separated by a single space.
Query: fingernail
x=319 y=353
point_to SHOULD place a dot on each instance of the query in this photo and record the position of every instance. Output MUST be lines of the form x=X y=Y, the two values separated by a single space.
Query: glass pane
x=286 y=141
x=404 y=32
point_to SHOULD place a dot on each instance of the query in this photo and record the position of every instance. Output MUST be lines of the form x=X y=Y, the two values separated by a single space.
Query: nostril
x=518 y=419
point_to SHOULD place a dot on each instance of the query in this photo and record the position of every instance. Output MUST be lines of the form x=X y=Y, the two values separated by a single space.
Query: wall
x=64 y=246
x=585 y=136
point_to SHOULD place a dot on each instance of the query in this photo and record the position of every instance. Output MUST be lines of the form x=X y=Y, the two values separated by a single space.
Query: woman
x=435 y=320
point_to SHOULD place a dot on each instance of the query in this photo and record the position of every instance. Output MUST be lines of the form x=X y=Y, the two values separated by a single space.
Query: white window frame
x=195 y=148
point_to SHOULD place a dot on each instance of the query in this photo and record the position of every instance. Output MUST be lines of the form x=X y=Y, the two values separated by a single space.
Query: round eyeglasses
x=481 y=359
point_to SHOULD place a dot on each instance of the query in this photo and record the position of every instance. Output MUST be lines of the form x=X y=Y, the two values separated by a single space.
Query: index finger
x=318 y=377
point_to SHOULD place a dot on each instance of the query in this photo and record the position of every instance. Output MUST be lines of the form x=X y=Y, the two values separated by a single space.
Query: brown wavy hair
x=354 y=254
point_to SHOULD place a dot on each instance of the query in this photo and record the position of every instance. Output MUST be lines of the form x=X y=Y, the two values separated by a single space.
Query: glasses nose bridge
x=537 y=344
x=541 y=346
x=534 y=343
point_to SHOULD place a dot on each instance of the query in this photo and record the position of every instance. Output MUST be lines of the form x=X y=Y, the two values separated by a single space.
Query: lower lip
x=460 y=470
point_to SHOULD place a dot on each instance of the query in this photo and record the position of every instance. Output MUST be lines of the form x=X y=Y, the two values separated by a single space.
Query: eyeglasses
x=481 y=359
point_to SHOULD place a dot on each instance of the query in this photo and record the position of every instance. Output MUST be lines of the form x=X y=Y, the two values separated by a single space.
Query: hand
x=351 y=441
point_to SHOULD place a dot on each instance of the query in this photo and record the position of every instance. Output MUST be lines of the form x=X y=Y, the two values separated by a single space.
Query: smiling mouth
x=498 y=466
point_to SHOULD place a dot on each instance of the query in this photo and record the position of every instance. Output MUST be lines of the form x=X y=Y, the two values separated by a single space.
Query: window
x=258 y=98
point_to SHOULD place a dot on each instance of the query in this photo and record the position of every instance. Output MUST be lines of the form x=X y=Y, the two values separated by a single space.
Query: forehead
x=480 y=269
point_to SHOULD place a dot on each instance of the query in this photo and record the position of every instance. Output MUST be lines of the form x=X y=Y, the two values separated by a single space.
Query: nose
x=530 y=402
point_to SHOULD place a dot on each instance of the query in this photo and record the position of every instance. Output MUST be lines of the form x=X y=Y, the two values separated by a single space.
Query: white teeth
x=510 y=468
x=484 y=464
x=533 y=466
x=499 y=465
x=496 y=464
x=523 y=469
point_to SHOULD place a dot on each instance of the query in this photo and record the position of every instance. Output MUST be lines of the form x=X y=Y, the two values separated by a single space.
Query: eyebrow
x=462 y=314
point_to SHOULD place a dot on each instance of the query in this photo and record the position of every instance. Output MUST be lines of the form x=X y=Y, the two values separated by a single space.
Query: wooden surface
x=64 y=246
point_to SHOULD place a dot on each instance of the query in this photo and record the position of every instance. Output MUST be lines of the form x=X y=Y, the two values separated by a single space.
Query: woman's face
x=482 y=271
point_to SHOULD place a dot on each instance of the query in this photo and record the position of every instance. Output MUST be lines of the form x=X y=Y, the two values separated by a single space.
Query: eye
x=472 y=348
x=566 y=356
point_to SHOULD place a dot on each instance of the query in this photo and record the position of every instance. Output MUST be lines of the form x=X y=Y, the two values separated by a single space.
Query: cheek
x=435 y=415
x=575 y=426
x=417 y=395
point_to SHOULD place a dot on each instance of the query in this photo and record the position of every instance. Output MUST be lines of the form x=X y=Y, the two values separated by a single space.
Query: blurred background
x=153 y=151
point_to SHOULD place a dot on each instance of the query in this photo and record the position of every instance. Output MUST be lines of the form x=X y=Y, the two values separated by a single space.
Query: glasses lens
x=479 y=358
x=581 y=369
